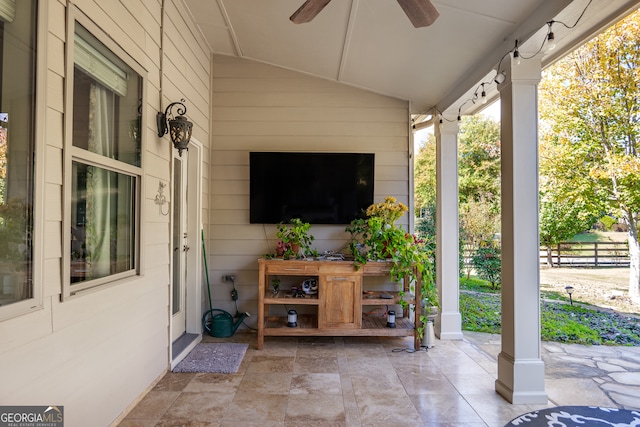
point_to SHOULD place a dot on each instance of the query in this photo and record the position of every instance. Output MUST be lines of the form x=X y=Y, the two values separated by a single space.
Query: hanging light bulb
x=483 y=96
x=551 y=38
x=516 y=56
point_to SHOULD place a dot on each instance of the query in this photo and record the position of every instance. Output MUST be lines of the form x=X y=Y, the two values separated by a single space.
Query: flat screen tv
x=319 y=188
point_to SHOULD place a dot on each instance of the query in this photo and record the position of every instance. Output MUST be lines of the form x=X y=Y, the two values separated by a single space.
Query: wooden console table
x=339 y=301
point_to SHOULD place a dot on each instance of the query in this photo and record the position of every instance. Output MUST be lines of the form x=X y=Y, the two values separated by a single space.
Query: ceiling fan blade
x=308 y=11
x=421 y=13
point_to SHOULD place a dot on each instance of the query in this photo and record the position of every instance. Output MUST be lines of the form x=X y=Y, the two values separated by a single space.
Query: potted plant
x=377 y=237
x=295 y=237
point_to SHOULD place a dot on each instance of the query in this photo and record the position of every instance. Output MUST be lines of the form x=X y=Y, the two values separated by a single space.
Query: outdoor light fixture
x=292 y=319
x=499 y=78
x=179 y=128
x=391 y=319
x=569 y=290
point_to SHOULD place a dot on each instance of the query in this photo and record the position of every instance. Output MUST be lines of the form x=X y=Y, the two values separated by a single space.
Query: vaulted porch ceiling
x=371 y=44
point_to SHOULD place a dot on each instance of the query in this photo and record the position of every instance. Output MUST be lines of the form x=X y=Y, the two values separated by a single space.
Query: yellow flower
x=389 y=210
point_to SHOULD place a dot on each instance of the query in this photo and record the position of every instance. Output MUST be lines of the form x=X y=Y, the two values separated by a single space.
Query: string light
x=551 y=38
x=516 y=54
x=550 y=43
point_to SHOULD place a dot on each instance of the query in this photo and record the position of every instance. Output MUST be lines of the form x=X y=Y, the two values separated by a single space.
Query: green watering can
x=221 y=325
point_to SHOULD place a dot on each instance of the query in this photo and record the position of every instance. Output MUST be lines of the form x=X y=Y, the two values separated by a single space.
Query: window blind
x=102 y=69
x=7 y=10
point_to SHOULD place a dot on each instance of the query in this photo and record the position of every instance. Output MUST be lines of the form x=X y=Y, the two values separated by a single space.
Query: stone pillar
x=448 y=324
x=520 y=366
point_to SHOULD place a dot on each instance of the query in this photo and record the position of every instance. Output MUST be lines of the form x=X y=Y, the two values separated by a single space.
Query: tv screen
x=319 y=188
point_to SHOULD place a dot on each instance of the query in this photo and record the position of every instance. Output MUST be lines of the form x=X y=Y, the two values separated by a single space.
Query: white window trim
x=37 y=273
x=71 y=153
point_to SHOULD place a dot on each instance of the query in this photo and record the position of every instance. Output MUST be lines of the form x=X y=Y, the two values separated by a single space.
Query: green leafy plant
x=378 y=238
x=295 y=236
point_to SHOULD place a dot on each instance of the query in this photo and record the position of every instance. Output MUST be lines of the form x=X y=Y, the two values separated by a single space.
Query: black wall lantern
x=179 y=128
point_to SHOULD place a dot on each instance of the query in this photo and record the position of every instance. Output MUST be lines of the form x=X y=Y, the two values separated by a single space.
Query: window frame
x=35 y=303
x=77 y=154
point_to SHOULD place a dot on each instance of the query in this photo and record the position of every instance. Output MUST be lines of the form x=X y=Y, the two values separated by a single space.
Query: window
x=18 y=36
x=104 y=163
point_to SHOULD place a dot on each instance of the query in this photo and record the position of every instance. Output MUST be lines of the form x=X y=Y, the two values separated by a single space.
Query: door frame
x=194 y=282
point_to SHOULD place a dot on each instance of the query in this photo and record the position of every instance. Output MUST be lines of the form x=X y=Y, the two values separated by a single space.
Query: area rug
x=224 y=358
x=578 y=416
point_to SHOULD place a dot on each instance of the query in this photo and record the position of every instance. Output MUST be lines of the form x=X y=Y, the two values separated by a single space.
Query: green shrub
x=487 y=263
x=607 y=222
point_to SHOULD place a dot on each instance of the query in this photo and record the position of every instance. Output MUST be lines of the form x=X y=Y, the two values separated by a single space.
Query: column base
x=521 y=382
x=448 y=326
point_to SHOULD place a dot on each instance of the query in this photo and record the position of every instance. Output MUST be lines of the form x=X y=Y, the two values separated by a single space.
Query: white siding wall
x=256 y=107
x=95 y=354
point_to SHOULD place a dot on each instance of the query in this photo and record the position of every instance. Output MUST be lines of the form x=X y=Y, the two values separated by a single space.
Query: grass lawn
x=561 y=322
x=600 y=236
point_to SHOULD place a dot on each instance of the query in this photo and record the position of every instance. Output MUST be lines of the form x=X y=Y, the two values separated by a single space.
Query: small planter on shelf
x=294 y=238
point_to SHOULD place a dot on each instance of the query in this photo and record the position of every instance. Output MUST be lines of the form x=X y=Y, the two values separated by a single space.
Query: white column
x=448 y=324
x=520 y=367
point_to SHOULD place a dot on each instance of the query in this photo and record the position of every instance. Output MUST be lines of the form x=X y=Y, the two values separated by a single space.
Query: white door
x=180 y=247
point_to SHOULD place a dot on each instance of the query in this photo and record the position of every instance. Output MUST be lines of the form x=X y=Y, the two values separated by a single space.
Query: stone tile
x=267 y=383
x=625 y=400
x=629 y=378
x=369 y=366
x=255 y=423
x=203 y=407
x=174 y=381
x=327 y=364
x=494 y=409
x=472 y=383
x=251 y=407
x=576 y=391
x=316 y=383
x=386 y=406
x=153 y=405
x=608 y=367
x=270 y=364
x=388 y=382
x=137 y=423
x=351 y=411
x=458 y=364
x=222 y=383
x=317 y=349
x=623 y=389
x=186 y=423
x=426 y=384
x=442 y=409
x=320 y=408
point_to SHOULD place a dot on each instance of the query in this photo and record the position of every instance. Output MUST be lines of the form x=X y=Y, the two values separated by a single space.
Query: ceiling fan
x=421 y=13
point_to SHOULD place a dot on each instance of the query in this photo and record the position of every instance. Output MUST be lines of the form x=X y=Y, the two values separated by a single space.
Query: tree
x=479 y=160
x=560 y=220
x=590 y=110
x=479 y=223
x=425 y=176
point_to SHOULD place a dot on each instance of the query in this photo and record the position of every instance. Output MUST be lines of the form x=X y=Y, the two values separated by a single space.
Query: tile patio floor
x=357 y=381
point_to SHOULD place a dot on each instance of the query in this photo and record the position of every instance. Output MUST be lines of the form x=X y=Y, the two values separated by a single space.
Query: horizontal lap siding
x=96 y=353
x=257 y=107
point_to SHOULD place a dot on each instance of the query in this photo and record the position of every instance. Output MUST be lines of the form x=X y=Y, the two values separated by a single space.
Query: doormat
x=224 y=358
x=578 y=416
